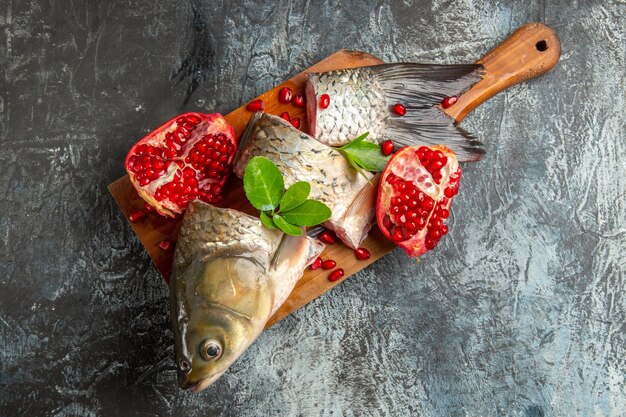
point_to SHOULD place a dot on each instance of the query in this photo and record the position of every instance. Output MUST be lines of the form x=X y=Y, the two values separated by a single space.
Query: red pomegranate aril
x=399 y=109
x=327 y=237
x=336 y=275
x=317 y=264
x=362 y=254
x=295 y=122
x=137 y=215
x=387 y=147
x=255 y=105
x=284 y=95
x=328 y=264
x=166 y=245
x=324 y=101
x=298 y=100
x=448 y=101
x=285 y=115
x=444 y=230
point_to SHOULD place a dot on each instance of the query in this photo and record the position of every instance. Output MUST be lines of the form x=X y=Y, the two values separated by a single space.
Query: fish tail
x=419 y=87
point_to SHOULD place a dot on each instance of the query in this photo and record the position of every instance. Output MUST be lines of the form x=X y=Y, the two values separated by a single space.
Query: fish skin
x=230 y=275
x=350 y=197
x=361 y=100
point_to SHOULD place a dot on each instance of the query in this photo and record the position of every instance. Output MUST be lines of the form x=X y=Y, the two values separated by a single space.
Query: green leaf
x=355 y=142
x=267 y=221
x=295 y=195
x=263 y=183
x=287 y=227
x=309 y=213
x=364 y=155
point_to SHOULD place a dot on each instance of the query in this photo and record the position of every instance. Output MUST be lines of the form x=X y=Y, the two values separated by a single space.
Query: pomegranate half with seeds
x=185 y=159
x=414 y=197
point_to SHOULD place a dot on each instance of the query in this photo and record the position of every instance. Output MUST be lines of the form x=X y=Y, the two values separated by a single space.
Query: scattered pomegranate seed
x=137 y=215
x=296 y=122
x=149 y=208
x=336 y=275
x=448 y=101
x=399 y=109
x=327 y=237
x=362 y=254
x=284 y=95
x=298 y=100
x=316 y=264
x=324 y=101
x=166 y=245
x=328 y=264
x=285 y=116
x=255 y=105
x=387 y=147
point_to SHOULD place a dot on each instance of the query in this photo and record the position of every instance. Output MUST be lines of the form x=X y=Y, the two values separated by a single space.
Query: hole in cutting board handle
x=542 y=46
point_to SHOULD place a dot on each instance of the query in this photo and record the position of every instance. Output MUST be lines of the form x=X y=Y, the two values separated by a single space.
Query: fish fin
x=419 y=87
x=432 y=126
x=240 y=160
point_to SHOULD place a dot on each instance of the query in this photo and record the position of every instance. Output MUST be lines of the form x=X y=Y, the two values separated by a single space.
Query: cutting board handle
x=531 y=51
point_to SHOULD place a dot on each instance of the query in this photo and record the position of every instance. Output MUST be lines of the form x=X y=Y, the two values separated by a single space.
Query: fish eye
x=210 y=350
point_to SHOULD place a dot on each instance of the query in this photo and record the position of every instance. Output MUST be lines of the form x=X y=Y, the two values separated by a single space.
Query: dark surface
x=520 y=311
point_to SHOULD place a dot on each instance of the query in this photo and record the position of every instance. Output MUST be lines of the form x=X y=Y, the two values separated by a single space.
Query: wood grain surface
x=513 y=61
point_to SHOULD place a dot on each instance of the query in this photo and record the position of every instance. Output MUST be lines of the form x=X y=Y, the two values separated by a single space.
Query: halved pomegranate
x=187 y=158
x=414 y=196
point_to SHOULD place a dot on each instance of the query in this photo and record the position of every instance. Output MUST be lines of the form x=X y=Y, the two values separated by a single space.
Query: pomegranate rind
x=415 y=245
x=216 y=124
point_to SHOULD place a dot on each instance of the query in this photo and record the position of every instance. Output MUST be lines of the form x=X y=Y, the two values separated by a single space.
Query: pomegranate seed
x=298 y=100
x=285 y=116
x=324 y=101
x=387 y=147
x=448 y=101
x=255 y=105
x=137 y=216
x=327 y=237
x=336 y=275
x=166 y=245
x=328 y=264
x=316 y=264
x=362 y=254
x=399 y=109
x=149 y=208
x=284 y=95
x=295 y=122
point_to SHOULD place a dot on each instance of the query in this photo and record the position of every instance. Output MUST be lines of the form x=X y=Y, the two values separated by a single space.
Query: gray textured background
x=521 y=311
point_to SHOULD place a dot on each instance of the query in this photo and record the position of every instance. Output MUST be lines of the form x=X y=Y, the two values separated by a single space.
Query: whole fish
x=230 y=275
x=349 y=195
x=361 y=100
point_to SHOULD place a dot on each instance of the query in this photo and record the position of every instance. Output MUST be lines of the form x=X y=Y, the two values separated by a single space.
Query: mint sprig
x=364 y=155
x=288 y=210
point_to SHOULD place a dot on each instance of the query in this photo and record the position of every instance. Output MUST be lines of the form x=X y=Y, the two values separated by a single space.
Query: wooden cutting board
x=531 y=51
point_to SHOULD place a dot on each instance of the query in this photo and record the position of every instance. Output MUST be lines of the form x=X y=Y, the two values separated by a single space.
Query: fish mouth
x=201 y=384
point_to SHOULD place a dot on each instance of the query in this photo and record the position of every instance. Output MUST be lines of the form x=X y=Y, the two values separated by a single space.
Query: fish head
x=223 y=311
